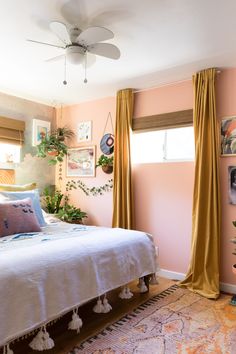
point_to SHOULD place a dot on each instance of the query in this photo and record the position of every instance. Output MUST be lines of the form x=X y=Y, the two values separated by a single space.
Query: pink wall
x=99 y=208
x=163 y=192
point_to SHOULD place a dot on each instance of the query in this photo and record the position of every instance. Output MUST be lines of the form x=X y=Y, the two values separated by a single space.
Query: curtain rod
x=167 y=84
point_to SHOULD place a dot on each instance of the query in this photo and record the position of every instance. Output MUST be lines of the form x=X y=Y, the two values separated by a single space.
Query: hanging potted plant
x=63 y=133
x=106 y=163
x=53 y=147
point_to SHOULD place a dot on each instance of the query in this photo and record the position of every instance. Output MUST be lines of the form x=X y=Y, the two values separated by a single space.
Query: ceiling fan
x=77 y=43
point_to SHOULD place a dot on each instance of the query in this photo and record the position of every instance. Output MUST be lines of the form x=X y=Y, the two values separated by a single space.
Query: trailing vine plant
x=95 y=191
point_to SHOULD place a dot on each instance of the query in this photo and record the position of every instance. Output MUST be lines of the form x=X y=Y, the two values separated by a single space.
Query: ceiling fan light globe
x=75 y=55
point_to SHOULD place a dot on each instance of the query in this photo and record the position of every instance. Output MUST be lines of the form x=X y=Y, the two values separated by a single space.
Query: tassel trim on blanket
x=143 y=287
x=102 y=306
x=42 y=340
x=7 y=350
x=76 y=323
x=125 y=293
x=153 y=280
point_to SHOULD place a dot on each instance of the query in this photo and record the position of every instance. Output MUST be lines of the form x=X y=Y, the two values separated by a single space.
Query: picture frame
x=41 y=128
x=228 y=136
x=232 y=184
x=84 y=131
x=81 y=161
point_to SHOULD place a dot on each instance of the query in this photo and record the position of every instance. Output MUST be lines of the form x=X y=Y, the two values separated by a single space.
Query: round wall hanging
x=107 y=144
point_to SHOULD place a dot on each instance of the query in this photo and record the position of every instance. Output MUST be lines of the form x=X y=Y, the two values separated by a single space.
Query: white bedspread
x=44 y=275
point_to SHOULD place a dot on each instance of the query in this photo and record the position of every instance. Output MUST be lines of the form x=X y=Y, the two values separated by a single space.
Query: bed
x=47 y=274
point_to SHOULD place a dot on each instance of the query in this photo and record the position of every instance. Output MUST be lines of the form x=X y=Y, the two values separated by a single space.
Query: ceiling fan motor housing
x=74 y=33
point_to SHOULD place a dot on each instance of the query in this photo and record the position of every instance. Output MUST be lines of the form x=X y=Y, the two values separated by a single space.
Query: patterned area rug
x=175 y=321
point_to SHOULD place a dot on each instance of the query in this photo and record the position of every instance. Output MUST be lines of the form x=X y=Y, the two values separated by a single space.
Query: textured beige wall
x=31 y=167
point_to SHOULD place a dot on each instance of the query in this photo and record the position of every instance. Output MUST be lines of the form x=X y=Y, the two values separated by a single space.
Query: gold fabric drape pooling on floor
x=203 y=273
x=122 y=191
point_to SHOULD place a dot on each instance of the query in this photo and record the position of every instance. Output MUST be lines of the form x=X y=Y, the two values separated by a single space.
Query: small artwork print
x=84 y=132
x=41 y=129
x=81 y=162
x=232 y=184
x=228 y=136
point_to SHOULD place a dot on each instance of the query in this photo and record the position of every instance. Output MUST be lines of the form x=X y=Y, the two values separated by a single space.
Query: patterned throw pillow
x=17 y=216
x=33 y=195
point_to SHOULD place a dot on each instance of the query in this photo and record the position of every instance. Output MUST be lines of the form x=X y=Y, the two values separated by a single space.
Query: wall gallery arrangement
x=232 y=184
x=84 y=131
x=81 y=162
x=41 y=128
x=228 y=136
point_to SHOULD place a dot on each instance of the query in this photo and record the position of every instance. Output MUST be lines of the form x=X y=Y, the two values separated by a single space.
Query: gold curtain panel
x=11 y=130
x=203 y=273
x=122 y=190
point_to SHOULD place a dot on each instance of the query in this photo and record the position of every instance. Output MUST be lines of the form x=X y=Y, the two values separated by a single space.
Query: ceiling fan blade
x=60 y=31
x=51 y=45
x=55 y=59
x=93 y=35
x=105 y=50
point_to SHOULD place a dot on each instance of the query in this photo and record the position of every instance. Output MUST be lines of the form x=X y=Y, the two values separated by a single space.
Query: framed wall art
x=232 y=184
x=228 y=136
x=81 y=162
x=40 y=129
x=84 y=131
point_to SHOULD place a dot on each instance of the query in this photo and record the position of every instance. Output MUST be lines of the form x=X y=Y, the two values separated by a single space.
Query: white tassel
x=98 y=308
x=153 y=279
x=76 y=322
x=42 y=340
x=48 y=342
x=143 y=287
x=125 y=293
x=139 y=283
x=38 y=341
x=106 y=306
x=7 y=350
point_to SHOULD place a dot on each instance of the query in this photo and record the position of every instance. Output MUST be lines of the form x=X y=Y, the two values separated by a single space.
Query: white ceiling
x=161 y=41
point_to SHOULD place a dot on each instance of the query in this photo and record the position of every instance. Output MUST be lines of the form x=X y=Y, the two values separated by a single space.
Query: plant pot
x=107 y=168
x=234 y=268
x=78 y=221
x=52 y=152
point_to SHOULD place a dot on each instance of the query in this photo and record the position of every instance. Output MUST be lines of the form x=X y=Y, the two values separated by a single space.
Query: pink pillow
x=17 y=216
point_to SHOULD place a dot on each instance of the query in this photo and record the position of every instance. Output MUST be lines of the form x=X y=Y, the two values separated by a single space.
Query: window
x=163 y=145
x=9 y=152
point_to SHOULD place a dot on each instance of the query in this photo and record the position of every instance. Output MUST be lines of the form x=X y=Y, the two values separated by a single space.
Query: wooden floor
x=93 y=323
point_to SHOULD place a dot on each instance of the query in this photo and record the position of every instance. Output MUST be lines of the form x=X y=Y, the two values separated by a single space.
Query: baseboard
x=171 y=275
x=228 y=288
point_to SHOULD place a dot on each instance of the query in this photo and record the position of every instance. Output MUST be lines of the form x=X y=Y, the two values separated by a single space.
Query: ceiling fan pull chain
x=85 y=68
x=65 y=82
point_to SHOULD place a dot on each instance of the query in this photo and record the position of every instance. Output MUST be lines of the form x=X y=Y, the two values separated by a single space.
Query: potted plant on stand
x=106 y=163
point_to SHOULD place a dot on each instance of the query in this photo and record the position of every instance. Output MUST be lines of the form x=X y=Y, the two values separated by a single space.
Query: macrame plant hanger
x=107 y=141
